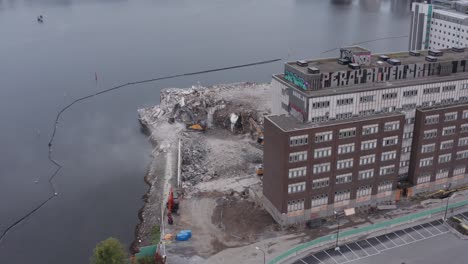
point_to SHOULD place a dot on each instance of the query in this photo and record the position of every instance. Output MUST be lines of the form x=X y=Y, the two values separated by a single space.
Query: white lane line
x=423 y=237
x=303 y=261
x=331 y=257
x=391 y=240
x=436 y=228
x=414 y=239
x=400 y=237
x=347 y=260
x=427 y=230
x=367 y=240
x=317 y=258
x=352 y=252
x=381 y=243
x=365 y=250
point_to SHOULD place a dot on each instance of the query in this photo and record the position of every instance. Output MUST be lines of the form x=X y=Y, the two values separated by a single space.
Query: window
x=406 y=149
x=298 y=140
x=342 y=195
x=319 y=200
x=408 y=106
x=320 y=168
x=319 y=119
x=366 y=112
x=446 y=144
x=389 y=96
x=320 y=183
x=346 y=101
x=450 y=116
x=369 y=159
x=445 y=158
x=410 y=93
x=386 y=170
x=424 y=178
x=297 y=156
x=463 y=99
x=427 y=103
x=432 y=119
x=364 y=191
x=322 y=152
x=459 y=170
x=465 y=114
x=448 y=88
x=426 y=162
x=344 y=164
x=404 y=163
x=447 y=101
x=369 y=144
x=322 y=104
x=347 y=148
x=462 y=154
x=370 y=129
x=464 y=128
x=366 y=174
x=442 y=174
x=407 y=135
x=347 y=133
x=296 y=187
x=463 y=141
x=384 y=186
x=464 y=86
x=366 y=99
x=388 y=109
x=296 y=205
x=430 y=134
x=344 y=178
x=390 y=141
x=323 y=136
x=431 y=90
x=428 y=148
x=391 y=126
x=297 y=172
x=410 y=120
x=390 y=155
x=448 y=131
x=344 y=115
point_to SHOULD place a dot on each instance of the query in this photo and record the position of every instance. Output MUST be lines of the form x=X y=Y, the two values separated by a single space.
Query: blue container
x=188 y=232
x=182 y=237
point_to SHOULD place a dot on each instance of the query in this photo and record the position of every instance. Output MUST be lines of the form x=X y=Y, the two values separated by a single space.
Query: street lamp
x=448 y=198
x=257 y=248
x=337 y=248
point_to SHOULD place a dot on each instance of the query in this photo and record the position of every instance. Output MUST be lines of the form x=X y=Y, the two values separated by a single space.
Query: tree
x=109 y=251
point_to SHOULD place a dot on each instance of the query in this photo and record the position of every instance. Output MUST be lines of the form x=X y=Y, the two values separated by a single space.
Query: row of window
x=446 y=131
x=348 y=163
x=440 y=174
x=448 y=117
x=426 y=162
x=444 y=145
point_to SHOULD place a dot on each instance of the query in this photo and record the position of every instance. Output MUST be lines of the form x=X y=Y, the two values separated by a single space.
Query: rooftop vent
x=458 y=49
x=383 y=57
x=415 y=53
x=354 y=66
x=343 y=61
x=302 y=63
x=313 y=70
x=436 y=53
x=431 y=59
x=394 y=62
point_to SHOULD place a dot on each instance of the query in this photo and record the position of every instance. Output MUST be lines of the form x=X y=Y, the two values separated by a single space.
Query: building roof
x=441 y=106
x=331 y=64
x=289 y=123
x=452 y=13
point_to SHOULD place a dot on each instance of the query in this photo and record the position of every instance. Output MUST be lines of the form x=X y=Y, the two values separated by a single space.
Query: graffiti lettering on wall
x=383 y=74
x=297 y=112
x=296 y=80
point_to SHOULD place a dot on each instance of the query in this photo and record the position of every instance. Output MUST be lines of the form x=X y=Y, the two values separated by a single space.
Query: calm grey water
x=45 y=66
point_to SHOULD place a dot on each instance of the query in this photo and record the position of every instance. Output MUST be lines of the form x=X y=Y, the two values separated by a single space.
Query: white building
x=439 y=27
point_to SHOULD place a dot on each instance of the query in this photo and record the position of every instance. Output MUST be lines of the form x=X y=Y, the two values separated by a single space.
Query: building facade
x=439 y=26
x=386 y=94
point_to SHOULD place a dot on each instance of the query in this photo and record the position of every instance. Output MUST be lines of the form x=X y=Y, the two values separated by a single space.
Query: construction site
x=206 y=177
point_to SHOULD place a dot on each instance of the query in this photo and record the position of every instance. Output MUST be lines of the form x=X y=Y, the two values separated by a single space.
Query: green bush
x=155 y=234
x=109 y=251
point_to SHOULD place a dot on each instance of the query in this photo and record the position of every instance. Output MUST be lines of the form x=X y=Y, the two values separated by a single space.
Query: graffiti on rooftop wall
x=294 y=78
x=392 y=73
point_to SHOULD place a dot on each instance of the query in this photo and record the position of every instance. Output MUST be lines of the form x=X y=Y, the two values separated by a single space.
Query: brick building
x=347 y=132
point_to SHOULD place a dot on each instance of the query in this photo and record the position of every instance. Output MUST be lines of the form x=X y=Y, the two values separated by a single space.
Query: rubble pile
x=192 y=169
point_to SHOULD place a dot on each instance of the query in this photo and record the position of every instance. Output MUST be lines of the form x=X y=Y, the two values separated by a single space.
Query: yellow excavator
x=256 y=131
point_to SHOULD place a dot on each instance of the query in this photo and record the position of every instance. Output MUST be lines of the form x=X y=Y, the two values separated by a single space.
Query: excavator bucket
x=196 y=127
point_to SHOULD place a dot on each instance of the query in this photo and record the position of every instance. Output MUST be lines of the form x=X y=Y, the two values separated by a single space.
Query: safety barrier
x=362 y=230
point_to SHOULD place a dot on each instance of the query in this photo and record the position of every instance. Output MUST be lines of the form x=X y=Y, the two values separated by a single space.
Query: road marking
x=303 y=261
x=427 y=230
x=400 y=238
x=352 y=251
x=372 y=245
x=390 y=240
x=347 y=260
x=436 y=228
x=418 y=233
x=330 y=257
x=381 y=243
